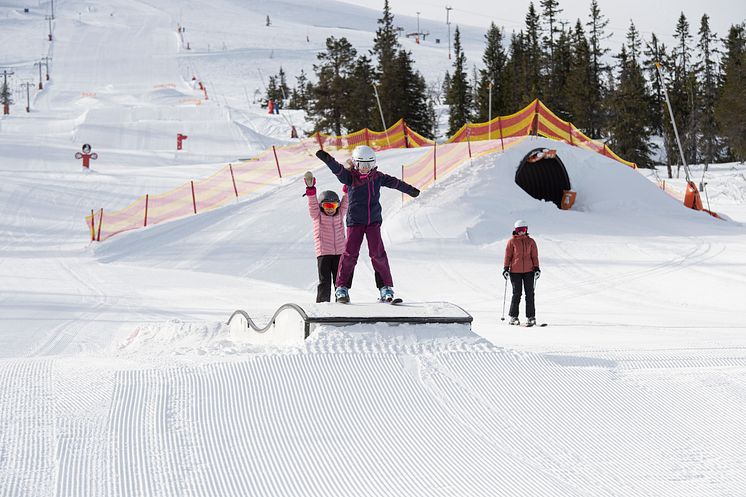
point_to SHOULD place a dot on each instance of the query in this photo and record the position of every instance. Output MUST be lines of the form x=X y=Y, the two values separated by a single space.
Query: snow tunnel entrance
x=542 y=175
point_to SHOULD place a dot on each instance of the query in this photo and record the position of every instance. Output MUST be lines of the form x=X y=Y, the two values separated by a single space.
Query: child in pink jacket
x=327 y=213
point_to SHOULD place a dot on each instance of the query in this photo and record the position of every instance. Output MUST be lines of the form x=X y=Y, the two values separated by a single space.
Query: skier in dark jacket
x=521 y=265
x=364 y=183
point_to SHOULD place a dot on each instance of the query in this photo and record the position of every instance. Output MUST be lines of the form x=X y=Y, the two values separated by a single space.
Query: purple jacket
x=365 y=192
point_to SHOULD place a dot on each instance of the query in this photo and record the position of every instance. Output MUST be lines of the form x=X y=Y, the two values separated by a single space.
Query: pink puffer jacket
x=521 y=254
x=328 y=231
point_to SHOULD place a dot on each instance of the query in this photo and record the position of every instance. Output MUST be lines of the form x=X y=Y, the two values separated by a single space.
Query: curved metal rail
x=309 y=320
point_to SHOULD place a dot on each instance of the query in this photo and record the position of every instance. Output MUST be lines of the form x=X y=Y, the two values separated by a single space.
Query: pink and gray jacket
x=328 y=231
x=521 y=254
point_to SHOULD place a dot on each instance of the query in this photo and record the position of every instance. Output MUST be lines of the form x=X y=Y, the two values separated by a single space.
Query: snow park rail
x=293 y=323
x=246 y=177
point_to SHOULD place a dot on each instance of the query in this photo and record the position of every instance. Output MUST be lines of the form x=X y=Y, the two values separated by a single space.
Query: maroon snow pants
x=376 y=250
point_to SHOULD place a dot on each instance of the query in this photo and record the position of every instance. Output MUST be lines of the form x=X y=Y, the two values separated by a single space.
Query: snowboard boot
x=531 y=322
x=514 y=321
x=387 y=293
x=341 y=295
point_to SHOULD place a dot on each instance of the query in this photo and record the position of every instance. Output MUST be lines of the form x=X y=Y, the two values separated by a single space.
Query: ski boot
x=341 y=295
x=387 y=293
x=514 y=321
x=531 y=322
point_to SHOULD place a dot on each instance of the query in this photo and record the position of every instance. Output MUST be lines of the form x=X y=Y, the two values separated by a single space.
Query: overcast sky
x=659 y=16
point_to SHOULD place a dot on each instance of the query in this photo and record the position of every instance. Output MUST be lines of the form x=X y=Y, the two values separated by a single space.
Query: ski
x=394 y=301
x=540 y=325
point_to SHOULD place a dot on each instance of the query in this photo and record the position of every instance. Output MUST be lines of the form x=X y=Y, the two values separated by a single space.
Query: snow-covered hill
x=119 y=377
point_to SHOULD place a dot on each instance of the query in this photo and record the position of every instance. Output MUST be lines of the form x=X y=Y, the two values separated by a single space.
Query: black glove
x=415 y=192
x=323 y=155
x=506 y=272
x=537 y=272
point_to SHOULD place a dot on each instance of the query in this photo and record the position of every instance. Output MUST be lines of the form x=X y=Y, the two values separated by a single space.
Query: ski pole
x=505 y=293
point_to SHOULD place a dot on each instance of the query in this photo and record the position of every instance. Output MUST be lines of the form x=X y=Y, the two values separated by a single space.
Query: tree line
x=617 y=98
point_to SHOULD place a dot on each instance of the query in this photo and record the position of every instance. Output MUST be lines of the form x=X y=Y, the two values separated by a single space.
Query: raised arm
x=342 y=174
x=397 y=184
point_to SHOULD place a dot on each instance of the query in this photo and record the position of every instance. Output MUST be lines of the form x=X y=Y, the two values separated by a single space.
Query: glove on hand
x=344 y=188
x=506 y=272
x=323 y=155
x=415 y=193
x=310 y=191
x=537 y=272
x=309 y=179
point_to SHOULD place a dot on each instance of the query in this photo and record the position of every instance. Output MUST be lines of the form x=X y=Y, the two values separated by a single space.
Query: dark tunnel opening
x=542 y=175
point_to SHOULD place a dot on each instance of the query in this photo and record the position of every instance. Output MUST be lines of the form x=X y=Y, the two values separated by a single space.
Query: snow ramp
x=293 y=323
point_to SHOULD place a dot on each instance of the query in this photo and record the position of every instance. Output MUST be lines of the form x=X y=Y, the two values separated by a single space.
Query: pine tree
x=533 y=52
x=579 y=89
x=5 y=94
x=630 y=137
x=330 y=94
x=557 y=96
x=596 y=26
x=360 y=106
x=551 y=87
x=413 y=96
x=491 y=77
x=683 y=92
x=550 y=11
x=385 y=50
x=516 y=91
x=300 y=95
x=459 y=93
x=730 y=113
x=655 y=53
x=706 y=69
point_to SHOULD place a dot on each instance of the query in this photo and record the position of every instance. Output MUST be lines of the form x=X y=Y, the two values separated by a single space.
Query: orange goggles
x=329 y=205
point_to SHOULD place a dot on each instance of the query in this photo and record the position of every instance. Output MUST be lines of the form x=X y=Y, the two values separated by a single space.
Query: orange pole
x=233 y=178
x=93 y=226
x=194 y=198
x=277 y=162
x=468 y=139
x=318 y=139
x=100 y=222
x=435 y=161
x=500 y=125
x=146 y=210
x=569 y=132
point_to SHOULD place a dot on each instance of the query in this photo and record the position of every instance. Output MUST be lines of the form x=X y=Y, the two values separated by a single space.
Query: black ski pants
x=328 y=266
x=520 y=281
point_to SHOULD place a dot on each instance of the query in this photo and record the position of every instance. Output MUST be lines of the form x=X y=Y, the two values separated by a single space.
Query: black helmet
x=328 y=196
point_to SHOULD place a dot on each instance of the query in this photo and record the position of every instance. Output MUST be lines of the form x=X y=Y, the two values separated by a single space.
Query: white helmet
x=364 y=159
x=520 y=224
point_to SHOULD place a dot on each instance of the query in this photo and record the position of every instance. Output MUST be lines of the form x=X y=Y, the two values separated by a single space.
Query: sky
x=661 y=19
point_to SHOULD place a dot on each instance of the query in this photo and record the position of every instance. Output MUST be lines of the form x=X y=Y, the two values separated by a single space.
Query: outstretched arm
x=342 y=174
x=397 y=184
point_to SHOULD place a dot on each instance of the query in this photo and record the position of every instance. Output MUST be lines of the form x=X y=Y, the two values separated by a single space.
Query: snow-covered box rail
x=294 y=322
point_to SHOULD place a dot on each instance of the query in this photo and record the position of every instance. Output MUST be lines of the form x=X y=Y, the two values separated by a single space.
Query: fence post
x=435 y=162
x=277 y=161
x=367 y=137
x=536 y=119
x=233 y=178
x=100 y=222
x=146 y=210
x=569 y=132
x=93 y=226
x=468 y=138
x=318 y=139
x=402 y=178
x=194 y=198
x=406 y=136
x=500 y=125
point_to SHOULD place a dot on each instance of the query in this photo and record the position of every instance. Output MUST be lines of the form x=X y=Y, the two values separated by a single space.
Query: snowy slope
x=119 y=377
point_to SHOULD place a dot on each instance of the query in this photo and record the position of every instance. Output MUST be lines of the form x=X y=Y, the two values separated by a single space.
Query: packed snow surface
x=119 y=376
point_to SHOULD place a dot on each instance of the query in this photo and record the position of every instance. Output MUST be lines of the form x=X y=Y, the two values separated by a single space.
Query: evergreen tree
x=533 y=52
x=596 y=26
x=5 y=94
x=516 y=91
x=301 y=94
x=552 y=85
x=706 y=69
x=655 y=53
x=730 y=113
x=360 y=106
x=494 y=60
x=459 y=93
x=331 y=92
x=445 y=87
x=630 y=137
x=579 y=89
x=557 y=97
x=385 y=50
x=550 y=11
x=683 y=93
x=413 y=96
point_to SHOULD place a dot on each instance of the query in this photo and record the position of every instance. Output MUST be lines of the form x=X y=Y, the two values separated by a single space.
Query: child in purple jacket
x=364 y=183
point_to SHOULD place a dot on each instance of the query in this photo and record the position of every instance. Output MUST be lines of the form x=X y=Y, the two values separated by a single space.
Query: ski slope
x=119 y=377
